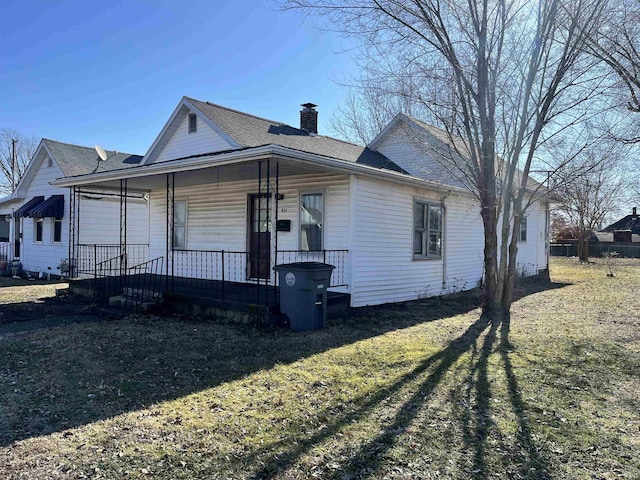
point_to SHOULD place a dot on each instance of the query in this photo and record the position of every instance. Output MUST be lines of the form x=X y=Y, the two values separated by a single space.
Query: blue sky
x=111 y=73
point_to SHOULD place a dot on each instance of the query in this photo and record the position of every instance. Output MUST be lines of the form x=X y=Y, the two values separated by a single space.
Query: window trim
x=186 y=223
x=322 y=225
x=36 y=222
x=192 y=123
x=53 y=231
x=425 y=243
x=523 y=230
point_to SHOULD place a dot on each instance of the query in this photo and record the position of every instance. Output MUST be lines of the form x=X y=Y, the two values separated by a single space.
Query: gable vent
x=193 y=123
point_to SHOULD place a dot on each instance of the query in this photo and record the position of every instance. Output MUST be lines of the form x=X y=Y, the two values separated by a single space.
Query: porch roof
x=293 y=162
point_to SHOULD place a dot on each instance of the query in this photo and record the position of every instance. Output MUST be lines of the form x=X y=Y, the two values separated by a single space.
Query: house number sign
x=290 y=279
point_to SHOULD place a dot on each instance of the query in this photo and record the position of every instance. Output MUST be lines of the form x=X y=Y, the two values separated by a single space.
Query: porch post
x=275 y=263
x=123 y=231
x=267 y=279
x=74 y=233
x=257 y=255
x=169 y=231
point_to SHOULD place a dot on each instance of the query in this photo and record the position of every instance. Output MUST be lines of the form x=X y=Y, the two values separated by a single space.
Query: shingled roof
x=76 y=160
x=250 y=131
x=628 y=222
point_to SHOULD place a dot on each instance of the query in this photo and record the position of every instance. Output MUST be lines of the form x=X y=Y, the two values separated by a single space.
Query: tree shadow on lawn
x=476 y=423
x=53 y=380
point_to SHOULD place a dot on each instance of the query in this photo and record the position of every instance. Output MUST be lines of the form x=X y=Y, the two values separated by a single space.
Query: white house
x=231 y=195
x=37 y=213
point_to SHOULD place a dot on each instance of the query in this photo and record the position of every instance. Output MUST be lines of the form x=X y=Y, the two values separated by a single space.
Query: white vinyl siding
x=180 y=143
x=532 y=254
x=44 y=256
x=217 y=213
x=100 y=220
x=382 y=260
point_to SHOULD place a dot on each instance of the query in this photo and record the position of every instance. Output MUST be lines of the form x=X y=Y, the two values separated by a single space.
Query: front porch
x=210 y=291
x=276 y=211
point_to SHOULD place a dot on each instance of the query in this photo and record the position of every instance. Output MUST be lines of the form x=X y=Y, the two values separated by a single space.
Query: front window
x=523 y=230
x=311 y=221
x=57 y=230
x=37 y=230
x=427 y=230
x=179 y=224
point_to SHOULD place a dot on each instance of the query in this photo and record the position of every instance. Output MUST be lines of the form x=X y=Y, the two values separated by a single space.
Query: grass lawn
x=429 y=389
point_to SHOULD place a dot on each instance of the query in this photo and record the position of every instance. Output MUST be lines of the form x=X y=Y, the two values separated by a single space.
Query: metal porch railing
x=144 y=282
x=217 y=273
x=89 y=256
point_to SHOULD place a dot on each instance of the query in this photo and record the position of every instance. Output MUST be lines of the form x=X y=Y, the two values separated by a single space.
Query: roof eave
x=256 y=153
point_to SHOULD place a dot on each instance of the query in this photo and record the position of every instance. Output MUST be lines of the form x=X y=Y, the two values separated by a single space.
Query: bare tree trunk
x=583 y=248
x=489 y=217
x=509 y=279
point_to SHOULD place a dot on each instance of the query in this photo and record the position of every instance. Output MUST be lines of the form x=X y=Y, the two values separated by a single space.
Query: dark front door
x=259 y=237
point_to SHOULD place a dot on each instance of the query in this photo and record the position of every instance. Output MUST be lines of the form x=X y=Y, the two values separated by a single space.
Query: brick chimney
x=635 y=212
x=309 y=118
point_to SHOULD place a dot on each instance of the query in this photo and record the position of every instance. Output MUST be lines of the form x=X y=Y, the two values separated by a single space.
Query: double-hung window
x=57 y=230
x=523 y=229
x=311 y=221
x=37 y=230
x=179 y=224
x=427 y=230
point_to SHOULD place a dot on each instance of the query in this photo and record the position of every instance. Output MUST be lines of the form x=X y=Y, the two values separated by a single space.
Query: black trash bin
x=303 y=293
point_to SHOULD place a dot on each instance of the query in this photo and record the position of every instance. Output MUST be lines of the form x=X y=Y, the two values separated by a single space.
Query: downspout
x=353 y=187
x=444 y=240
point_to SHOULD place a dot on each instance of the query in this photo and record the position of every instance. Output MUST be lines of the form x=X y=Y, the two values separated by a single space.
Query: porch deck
x=247 y=303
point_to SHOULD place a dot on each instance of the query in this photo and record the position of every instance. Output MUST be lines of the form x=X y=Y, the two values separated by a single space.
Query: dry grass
x=423 y=390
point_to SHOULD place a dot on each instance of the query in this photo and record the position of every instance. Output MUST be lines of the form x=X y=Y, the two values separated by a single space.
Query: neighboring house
x=231 y=195
x=625 y=230
x=37 y=213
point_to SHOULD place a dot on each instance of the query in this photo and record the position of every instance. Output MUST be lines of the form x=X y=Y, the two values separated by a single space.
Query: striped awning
x=51 y=207
x=23 y=211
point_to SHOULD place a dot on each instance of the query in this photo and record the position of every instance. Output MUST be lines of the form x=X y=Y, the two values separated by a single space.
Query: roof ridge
x=237 y=111
x=272 y=121
x=88 y=148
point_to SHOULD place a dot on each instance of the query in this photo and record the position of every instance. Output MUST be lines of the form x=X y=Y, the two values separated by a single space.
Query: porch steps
x=219 y=310
x=126 y=302
x=112 y=313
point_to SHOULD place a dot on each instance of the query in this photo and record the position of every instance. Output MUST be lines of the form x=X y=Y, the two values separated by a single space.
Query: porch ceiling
x=248 y=170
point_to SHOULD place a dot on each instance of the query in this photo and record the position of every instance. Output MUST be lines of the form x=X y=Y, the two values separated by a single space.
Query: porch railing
x=337 y=258
x=107 y=278
x=144 y=282
x=197 y=268
x=219 y=272
x=6 y=252
x=89 y=256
